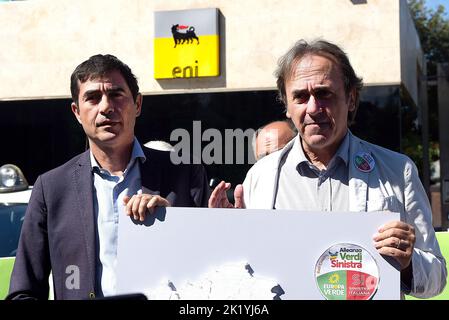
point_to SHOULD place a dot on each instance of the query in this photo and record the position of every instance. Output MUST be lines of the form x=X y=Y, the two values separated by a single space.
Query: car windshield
x=11 y=219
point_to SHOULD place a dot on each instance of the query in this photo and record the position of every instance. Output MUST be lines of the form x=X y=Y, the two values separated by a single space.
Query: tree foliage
x=433 y=30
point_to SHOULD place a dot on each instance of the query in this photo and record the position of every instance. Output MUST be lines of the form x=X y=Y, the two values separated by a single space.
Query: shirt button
x=91 y=295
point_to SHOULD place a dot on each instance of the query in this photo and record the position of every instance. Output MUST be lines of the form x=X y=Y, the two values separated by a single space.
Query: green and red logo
x=364 y=162
x=347 y=272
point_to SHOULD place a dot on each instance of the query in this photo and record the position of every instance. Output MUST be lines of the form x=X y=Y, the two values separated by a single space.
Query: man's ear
x=351 y=100
x=139 y=100
x=76 y=112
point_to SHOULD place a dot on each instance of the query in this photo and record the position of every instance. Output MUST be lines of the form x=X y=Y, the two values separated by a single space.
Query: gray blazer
x=59 y=227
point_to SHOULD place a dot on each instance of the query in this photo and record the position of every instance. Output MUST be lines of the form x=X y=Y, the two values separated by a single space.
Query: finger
x=238 y=196
x=135 y=206
x=128 y=207
x=402 y=257
x=157 y=201
x=143 y=207
x=126 y=200
x=215 y=194
x=395 y=225
x=218 y=195
x=404 y=245
x=391 y=242
x=392 y=233
x=227 y=204
x=393 y=252
x=162 y=202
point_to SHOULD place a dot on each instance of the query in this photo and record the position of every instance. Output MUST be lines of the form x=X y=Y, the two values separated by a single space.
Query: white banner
x=198 y=253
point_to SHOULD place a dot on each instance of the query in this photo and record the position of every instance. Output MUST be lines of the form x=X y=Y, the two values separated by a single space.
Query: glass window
x=11 y=220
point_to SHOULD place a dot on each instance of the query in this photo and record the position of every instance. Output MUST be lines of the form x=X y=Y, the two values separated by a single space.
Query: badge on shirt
x=364 y=162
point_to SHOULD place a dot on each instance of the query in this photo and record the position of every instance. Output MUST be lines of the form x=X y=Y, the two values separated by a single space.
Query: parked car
x=14 y=196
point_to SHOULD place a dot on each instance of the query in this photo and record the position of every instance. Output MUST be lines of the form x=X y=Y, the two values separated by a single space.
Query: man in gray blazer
x=71 y=223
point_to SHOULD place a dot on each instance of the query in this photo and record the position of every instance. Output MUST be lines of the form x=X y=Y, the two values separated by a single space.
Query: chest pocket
x=385 y=204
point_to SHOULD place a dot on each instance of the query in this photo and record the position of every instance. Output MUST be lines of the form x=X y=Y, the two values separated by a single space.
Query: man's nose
x=313 y=106
x=106 y=105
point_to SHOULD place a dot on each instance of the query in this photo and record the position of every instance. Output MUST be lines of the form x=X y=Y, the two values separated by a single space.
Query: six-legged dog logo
x=182 y=37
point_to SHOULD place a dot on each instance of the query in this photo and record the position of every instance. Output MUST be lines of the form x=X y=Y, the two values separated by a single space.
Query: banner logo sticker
x=347 y=272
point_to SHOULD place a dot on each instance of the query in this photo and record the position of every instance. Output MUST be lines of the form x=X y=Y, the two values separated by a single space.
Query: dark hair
x=96 y=67
x=323 y=48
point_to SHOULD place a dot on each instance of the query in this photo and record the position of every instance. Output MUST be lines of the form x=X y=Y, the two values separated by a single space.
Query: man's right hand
x=219 y=199
x=139 y=205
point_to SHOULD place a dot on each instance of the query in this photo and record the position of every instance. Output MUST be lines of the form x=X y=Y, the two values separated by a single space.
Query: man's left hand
x=138 y=204
x=396 y=239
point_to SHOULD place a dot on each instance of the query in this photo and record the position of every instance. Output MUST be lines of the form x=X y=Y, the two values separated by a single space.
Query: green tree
x=433 y=30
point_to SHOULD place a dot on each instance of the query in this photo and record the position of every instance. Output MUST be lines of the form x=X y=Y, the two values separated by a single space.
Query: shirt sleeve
x=429 y=266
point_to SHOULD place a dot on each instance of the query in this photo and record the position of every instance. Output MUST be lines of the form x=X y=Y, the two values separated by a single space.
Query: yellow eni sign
x=186 y=44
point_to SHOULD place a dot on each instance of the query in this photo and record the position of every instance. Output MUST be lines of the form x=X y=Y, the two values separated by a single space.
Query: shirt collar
x=297 y=156
x=136 y=153
x=343 y=150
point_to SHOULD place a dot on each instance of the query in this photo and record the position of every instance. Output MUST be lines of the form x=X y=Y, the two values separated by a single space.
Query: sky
x=434 y=4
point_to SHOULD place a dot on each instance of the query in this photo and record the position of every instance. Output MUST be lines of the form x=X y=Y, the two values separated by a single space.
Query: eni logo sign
x=186 y=44
x=181 y=37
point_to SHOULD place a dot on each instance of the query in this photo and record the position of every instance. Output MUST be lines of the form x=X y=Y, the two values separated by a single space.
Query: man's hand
x=138 y=204
x=219 y=199
x=396 y=239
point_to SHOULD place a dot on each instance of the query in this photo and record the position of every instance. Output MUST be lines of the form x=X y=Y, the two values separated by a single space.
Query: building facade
x=43 y=41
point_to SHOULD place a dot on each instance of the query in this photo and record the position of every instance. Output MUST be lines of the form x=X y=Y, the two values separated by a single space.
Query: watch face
x=347 y=272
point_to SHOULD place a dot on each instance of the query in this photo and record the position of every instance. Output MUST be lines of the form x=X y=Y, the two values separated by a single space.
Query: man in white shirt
x=327 y=168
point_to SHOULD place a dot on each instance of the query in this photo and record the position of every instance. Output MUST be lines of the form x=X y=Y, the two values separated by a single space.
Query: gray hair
x=322 y=48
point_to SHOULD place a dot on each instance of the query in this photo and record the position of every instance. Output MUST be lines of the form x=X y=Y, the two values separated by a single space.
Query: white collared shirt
x=302 y=186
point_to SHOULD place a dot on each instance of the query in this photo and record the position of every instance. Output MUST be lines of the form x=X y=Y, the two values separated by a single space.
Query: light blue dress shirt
x=109 y=191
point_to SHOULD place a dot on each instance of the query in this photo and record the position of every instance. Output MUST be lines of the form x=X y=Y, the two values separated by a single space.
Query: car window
x=11 y=220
